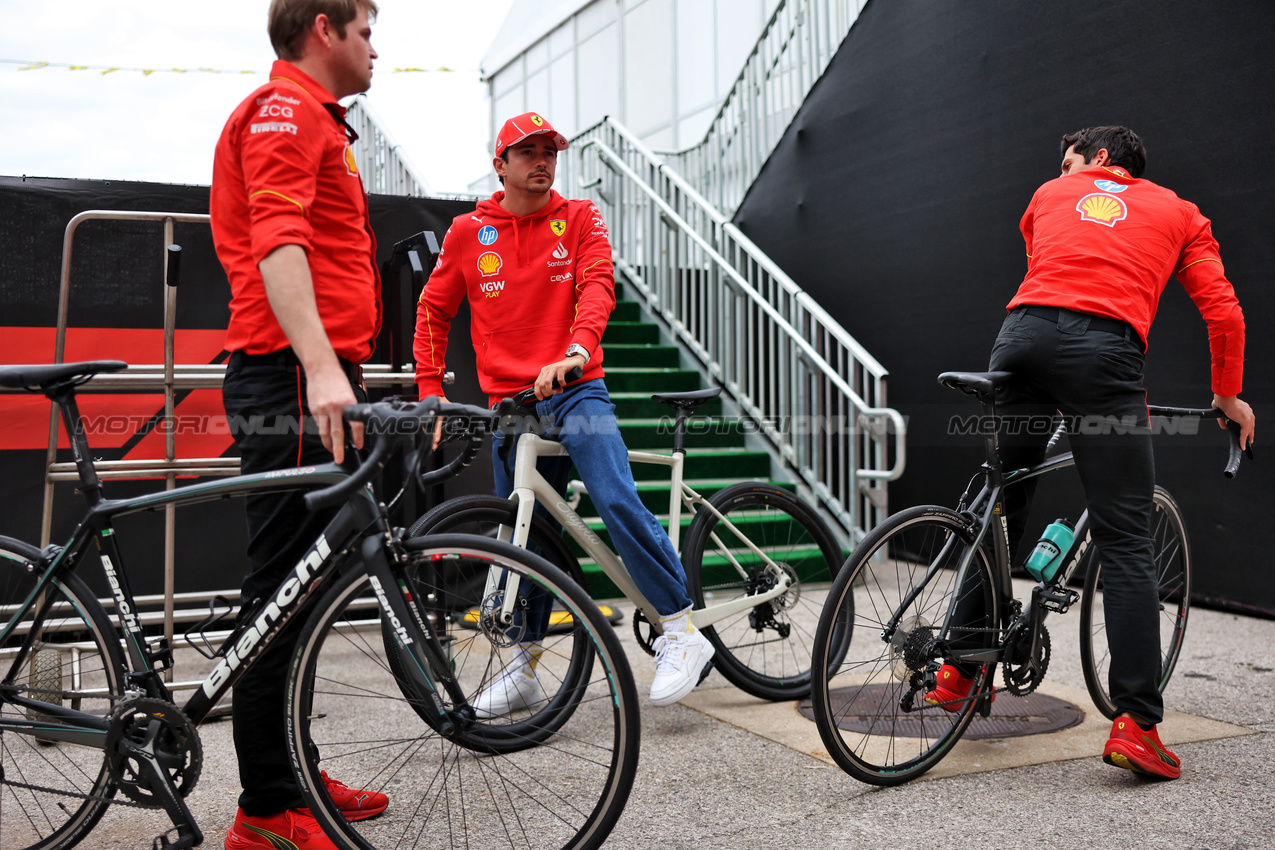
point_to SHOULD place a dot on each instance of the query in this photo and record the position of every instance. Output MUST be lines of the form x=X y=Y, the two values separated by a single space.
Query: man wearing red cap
x=290 y=225
x=537 y=271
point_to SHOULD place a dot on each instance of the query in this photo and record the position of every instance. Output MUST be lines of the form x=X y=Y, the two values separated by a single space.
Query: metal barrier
x=791 y=54
x=169 y=377
x=382 y=164
x=814 y=392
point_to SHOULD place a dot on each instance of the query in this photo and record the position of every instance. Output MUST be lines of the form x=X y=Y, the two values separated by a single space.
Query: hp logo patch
x=487 y=235
x=1106 y=186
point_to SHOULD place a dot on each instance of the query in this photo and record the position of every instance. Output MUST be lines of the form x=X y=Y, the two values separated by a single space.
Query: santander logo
x=561 y=257
x=560 y=253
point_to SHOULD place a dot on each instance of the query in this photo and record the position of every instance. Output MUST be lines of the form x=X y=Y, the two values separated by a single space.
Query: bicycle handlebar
x=392 y=422
x=1233 y=430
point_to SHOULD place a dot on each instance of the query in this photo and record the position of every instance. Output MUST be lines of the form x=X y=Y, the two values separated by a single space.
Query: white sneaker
x=515 y=688
x=680 y=661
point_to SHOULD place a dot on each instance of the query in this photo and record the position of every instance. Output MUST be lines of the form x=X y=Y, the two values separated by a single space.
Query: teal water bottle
x=1052 y=547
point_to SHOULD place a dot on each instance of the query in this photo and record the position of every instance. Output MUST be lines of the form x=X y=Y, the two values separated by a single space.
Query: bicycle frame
x=334 y=546
x=531 y=487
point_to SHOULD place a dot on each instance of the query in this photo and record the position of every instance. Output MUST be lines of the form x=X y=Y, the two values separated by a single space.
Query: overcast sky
x=124 y=125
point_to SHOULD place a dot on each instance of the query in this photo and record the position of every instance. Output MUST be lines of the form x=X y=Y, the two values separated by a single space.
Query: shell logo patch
x=558 y=226
x=537 y=120
x=350 y=165
x=1102 y=208
x=490 y=263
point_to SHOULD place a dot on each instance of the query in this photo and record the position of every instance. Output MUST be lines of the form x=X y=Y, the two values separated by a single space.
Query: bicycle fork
x=425 y=663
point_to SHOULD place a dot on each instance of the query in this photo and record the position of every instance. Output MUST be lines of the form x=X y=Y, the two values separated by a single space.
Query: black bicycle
x=931 y=585
x=378 y=690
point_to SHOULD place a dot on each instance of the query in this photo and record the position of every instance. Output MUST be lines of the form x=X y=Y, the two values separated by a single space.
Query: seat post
x=991 y=441
x=679 y=426
x=64 y=398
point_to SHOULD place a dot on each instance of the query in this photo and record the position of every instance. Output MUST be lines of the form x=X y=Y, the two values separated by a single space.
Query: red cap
x=528 y=124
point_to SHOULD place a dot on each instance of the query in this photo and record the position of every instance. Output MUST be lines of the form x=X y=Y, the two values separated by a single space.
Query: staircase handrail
x=776 y=351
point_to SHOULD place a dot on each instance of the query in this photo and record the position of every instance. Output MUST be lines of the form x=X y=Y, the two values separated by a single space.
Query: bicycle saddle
x=44 y=377
x=979 y=384
x=687 y=400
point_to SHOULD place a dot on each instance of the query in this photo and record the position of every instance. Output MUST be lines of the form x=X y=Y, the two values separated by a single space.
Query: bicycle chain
x=115 y=801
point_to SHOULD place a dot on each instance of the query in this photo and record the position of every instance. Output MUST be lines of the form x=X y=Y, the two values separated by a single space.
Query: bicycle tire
x=77 y=663
x=348 y=714
x=1172 y=553
x=765 y=651
x=482 y=515
x=858 y=703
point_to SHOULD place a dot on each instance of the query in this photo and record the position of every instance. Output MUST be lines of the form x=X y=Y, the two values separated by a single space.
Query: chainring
x=152 y=725
x=1023 y=674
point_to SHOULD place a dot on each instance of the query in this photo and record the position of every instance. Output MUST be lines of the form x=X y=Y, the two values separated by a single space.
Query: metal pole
x=170 y=442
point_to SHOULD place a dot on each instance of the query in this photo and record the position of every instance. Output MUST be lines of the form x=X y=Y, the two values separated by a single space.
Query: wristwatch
x=576 y=348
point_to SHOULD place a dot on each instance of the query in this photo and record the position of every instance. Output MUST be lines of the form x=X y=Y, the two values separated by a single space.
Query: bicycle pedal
x=703 y=674
x=180 y=842
x=161 y=654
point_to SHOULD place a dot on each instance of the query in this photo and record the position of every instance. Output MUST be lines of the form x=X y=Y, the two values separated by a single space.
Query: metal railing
x=812 y=391
x=169 y=377
x=791 y=54
x=382 y=163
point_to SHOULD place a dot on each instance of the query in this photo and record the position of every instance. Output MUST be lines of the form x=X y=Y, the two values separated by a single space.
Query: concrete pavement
x=723 y=770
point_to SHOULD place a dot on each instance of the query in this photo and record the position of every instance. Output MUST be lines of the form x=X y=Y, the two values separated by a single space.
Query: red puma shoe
x=354 y=804
x=1134 y=749
x=292 y=828
x=952 y=689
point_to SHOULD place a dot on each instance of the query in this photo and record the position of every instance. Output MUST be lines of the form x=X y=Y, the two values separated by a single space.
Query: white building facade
x=660 y=67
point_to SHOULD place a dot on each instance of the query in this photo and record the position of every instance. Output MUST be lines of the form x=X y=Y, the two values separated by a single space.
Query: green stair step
x=641 y=356
x=712 y=463
x=706 y=432
x=626 y=311
x=640 y=405
x=631 y=380
x=630 y=333
x=655 y=494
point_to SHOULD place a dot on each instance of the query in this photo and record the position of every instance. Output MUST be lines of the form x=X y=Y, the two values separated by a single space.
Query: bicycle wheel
x=458 y=589
x=1172 y=554
x=52 y=792
x=870 y=708
x=351 y=716
x=764 y=650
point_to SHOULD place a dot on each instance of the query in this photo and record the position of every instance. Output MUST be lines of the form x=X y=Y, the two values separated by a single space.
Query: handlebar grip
x=574 y=375
x=1233 y=431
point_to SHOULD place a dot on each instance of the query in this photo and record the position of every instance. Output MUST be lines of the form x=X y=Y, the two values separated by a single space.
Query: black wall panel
x=895 y=196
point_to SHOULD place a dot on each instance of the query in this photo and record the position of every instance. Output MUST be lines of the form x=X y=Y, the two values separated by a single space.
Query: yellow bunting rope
x=109 y=69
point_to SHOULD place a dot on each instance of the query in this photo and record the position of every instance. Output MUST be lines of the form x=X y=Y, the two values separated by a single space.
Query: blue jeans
x=590 y=434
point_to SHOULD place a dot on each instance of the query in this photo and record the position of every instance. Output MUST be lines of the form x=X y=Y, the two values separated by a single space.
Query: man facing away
x=290 y=225
x=537 y=271
x=1101 y=244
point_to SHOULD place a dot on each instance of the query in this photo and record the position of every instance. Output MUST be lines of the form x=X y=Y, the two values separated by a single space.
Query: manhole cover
x=861 y=710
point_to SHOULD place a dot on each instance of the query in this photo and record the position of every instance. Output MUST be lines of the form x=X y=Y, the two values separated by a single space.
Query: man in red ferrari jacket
x=1101 y=244
x=537 y=271
x=290 y=225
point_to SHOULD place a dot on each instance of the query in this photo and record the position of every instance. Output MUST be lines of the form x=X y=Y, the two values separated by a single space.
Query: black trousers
x=1090 y=369
x=264 y=397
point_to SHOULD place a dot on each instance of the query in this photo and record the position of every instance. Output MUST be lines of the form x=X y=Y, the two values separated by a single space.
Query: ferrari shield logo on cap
x=558 y=226
x=537 y=120
x=1102 y=209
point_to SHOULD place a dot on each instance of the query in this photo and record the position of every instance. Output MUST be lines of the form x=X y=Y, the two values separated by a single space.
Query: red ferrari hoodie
x=535 y=285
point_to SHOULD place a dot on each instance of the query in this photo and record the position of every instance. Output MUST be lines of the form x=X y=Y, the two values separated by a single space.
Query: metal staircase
x=813 y=396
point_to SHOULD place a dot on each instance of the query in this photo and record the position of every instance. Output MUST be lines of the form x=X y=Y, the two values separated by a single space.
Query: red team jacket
x=1104 y=243
x=535 y=285
x=284 y=174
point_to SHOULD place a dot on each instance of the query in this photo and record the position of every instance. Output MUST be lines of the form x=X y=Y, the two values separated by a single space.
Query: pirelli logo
x=273 y=127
